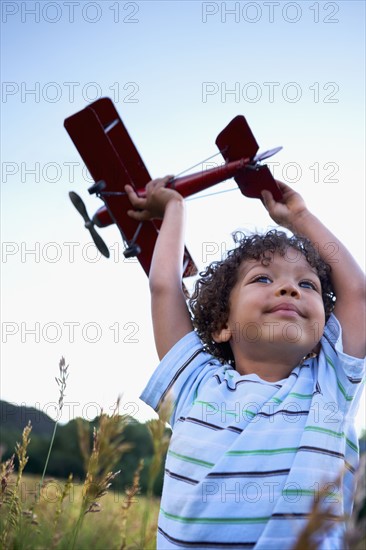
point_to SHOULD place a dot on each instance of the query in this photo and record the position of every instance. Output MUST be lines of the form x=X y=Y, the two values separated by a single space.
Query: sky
x=178 y=72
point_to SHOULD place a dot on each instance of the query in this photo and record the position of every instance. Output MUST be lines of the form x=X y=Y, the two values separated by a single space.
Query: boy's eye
x=308 y=284
x=262 y=279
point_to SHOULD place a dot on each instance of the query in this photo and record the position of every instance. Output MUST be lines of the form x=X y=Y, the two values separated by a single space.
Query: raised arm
x=170 y=315
x=347 y=277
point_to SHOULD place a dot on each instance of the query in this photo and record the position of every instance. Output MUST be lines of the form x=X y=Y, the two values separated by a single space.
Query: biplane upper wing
x=113 y=161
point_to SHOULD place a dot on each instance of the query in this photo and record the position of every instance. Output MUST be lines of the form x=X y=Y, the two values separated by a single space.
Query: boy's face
x=276 y=310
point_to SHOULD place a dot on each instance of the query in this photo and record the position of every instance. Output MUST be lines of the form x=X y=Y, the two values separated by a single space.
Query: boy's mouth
x=286 y=307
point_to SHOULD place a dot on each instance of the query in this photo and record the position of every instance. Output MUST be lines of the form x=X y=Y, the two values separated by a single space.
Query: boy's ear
x=221 y=335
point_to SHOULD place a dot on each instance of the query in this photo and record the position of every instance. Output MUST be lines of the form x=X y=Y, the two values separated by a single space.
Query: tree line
x=66 y=455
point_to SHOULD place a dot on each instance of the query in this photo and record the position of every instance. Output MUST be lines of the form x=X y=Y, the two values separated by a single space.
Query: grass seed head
x=7 y=469
x=61 y=381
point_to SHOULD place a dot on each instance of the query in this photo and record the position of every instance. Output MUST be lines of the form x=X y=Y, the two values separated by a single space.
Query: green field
x=45 y=522
x=86 y=512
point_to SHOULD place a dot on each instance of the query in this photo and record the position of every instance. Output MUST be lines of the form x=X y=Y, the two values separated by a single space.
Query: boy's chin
x=280 y=351
x=294 y=353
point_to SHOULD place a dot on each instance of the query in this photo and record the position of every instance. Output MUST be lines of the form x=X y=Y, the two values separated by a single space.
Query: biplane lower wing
x=113 y=161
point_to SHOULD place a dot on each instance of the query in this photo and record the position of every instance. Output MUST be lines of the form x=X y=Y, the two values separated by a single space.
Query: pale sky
x=178 y=72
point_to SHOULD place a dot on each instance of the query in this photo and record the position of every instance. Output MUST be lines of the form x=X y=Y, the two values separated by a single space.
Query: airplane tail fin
x=236 y=140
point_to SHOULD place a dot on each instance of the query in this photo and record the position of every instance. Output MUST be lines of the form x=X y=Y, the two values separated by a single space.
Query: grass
x=51 y=521
x=39 y=513
x=47 y=513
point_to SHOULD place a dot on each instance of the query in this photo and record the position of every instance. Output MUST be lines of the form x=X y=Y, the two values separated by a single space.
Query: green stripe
x=214 y=408
x=301 y=395
x=276 y=399
x=334 y=434
x=191 y=459
x=351 y=444
x=324 y=430
x=308 y=492
x=343 y=391
x=228 y=521
x=195 y=395
x=263 y=451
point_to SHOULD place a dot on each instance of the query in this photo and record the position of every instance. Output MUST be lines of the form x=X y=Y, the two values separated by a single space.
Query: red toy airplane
x=113 y=161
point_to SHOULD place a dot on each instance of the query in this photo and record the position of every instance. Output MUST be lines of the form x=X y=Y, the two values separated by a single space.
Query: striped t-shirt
x=247 y=457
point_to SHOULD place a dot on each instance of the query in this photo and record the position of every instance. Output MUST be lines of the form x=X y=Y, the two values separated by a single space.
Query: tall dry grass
x=49 y=514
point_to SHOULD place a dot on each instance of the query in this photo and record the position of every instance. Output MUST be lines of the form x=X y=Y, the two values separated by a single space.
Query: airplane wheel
x=97 y=187
x=132 y=251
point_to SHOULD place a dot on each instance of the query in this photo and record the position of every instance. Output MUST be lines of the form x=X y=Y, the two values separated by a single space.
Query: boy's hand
x=288 y=211
x=154 y=203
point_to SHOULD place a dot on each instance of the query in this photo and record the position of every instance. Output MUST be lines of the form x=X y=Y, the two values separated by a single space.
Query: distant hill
x=13 y=418
x=66 y=456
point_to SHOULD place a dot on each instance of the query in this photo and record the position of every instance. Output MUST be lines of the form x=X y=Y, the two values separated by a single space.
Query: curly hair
x=209 y=302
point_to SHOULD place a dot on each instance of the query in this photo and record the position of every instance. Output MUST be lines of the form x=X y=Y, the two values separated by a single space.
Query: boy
x=264 y=393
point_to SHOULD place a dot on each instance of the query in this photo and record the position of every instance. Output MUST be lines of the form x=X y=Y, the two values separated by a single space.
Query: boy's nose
x=288 y=289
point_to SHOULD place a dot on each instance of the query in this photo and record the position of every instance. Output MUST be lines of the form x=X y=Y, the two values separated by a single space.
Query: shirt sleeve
x=177 y=377
x=349 y=372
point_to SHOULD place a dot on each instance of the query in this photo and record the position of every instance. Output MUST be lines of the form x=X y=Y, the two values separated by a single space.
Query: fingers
x=141 y=216
x=157 y=183
x=163 y=181
x=135 y=200
x=283 y=186
x=268 y=199
x=152 y=204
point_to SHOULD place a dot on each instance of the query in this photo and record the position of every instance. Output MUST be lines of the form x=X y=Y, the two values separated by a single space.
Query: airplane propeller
x=89 y=224
x=266 y=154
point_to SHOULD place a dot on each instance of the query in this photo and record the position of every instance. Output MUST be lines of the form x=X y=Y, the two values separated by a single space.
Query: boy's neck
x=271 y=370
